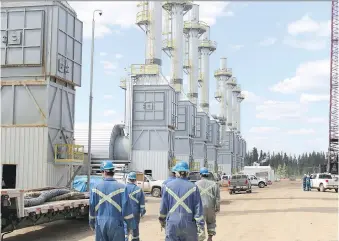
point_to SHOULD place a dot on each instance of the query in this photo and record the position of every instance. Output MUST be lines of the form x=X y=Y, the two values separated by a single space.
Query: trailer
x=15 y=216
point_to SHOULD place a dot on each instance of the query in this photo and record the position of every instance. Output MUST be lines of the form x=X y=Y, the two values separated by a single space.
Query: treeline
x=287 y=165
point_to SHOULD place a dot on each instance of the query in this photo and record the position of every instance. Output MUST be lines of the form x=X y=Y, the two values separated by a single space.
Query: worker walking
x=137 y=197
x=210 y=196
x=181 y=211
x=109 y=207
x=308 y=183
x=304 y=182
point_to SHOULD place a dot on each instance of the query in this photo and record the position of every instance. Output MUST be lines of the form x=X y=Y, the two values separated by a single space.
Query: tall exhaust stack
x=231 y=83
x=206 y=48
x=223 y=74
x=173 y=44
x=240 y=98
x=193 y=29
x=235 y=93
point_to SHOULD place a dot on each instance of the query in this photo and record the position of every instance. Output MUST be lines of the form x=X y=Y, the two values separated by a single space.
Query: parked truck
x=323 y=182
x=239 y=183
x=255 y=181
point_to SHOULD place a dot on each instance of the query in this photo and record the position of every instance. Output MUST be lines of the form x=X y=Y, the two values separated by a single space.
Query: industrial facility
x=164 y=124
x=41 y=63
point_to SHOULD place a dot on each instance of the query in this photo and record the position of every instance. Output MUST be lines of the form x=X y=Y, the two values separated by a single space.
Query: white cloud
x=317 y=120
x=315 y=34
x=108 y=97
x=263 y=129
x=304 y=98
x=109 y=112
x=118 y=56
x=108 y=65
x=301 y=131
x=124 y=13
x=312 y=75
x=250 y=97
x=210 y=11
x=307 y=25
x=275 y=110
x=268 y=41
x=103 y=54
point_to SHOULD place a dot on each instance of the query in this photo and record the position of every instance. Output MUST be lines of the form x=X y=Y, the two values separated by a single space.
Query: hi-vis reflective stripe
x=204 y=191
x=199 y=218
x=131 y=195
x=180 y=201
x=133 y=238
x=142 y=206
x=128 y=216
x=108 y=198
x=91 y=217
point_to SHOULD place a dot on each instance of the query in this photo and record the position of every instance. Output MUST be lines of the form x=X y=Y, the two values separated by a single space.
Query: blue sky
x=279 y=52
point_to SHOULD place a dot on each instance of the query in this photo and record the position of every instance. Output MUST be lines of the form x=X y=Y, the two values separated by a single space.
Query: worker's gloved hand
x=143 y=212
x=217 y=209
x=162 y=222
x=201 y=234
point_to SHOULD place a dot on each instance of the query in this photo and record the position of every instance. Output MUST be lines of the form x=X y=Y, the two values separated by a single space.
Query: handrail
x=142 y=16
x=144 y=69
x=223 y=72
x=69 y=153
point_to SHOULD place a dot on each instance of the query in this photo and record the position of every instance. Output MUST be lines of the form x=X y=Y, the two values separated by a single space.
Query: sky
x=279 y=53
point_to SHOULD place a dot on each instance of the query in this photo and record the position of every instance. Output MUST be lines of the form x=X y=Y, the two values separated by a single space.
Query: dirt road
x=281 y=212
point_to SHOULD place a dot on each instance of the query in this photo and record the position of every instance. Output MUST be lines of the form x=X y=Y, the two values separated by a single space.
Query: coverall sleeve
x=142 y=203
x=217 y=198
x=163 y=206
x=92 y=204
x=127 y=211
x=198 y=210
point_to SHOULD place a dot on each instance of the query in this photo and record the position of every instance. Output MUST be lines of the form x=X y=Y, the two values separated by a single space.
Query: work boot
x=209 y=238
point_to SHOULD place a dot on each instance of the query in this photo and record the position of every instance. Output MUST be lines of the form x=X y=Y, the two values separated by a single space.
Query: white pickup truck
x=255 y=181
x=146 y=182
x=323 y=182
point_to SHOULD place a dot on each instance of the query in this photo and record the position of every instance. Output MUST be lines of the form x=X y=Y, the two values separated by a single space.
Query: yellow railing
x=217 y=94
x=142 y=3
x=201 y=77
x=168 y=43
x=68 y=154
x=195 y=25
x=123 y=83
x=145 y=69
x=143 y=16
x=195 y=166
x=220 y=72
x=208 y=44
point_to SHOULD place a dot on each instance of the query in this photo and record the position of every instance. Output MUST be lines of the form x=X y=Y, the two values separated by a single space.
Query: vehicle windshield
x=326 y=176
x=150 y=178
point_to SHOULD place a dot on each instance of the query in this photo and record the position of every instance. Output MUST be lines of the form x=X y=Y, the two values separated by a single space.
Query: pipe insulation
x=193 y=31
x=154 y=33
x=205 y=52
x=231 y=83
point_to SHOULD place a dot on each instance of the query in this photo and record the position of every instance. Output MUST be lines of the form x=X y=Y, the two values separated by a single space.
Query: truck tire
x=261 y=184
x=249 y=191
x=156 y=192
x=321 y=187
x=336 y=189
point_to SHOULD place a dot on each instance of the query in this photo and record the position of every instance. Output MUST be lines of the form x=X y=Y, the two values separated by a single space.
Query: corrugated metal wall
x=26 y=147
x=157 y=161
x=101 y=135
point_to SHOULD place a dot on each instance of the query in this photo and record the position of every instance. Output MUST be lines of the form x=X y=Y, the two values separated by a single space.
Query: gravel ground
x=281 y=212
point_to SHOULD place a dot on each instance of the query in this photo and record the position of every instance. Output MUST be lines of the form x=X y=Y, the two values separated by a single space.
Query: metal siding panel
x=57 y=175
x=157 y=161
x=26 y=147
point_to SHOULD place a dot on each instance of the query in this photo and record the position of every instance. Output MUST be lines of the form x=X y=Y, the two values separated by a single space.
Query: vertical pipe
x=154 y=33
x=193 y=36
x=238 y=114
x=204 y=72
x=177 y=51
x=234 y=107
x=230 y=85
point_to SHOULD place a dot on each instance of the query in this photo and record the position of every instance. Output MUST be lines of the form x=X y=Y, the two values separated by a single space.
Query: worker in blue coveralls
x=181 y=210
x=304 y=182
x=109 y=207
x=308 y=183
x=137 y=198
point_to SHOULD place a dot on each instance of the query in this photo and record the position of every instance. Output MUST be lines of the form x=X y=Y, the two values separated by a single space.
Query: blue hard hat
x=203 y=171
x=132 y=175
x=182 y=167
x=107 y=165
x=173 y=168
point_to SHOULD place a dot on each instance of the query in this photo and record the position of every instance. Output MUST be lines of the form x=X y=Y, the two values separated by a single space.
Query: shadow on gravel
x=327 y=210
x=225 y=202
x=58 y=230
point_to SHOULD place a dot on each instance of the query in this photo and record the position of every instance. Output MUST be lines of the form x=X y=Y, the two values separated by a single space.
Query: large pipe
x=235 y=92
x=154 y=33
x=176 y=10
x=193 y=32
x=231 y=83
x=207 y=47
x=240 y=98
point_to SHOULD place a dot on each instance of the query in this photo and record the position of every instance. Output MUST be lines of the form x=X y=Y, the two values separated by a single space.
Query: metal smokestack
x=231 y=83
x=235 y=92
x=206 y=48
